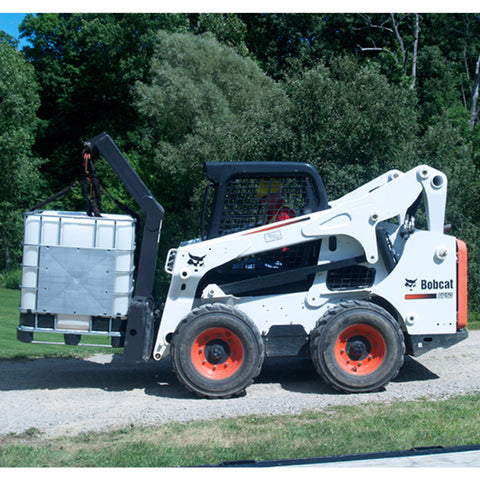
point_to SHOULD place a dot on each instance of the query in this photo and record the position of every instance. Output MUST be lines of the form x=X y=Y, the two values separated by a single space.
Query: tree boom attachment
x=139 y=332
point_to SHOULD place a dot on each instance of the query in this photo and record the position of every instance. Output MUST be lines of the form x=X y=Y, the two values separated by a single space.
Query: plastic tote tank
x=77 y=272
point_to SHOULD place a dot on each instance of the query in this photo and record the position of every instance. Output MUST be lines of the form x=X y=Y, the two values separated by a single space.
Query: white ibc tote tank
x=76 y=266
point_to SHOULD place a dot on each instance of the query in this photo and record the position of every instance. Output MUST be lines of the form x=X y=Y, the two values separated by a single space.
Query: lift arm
x=140 y=328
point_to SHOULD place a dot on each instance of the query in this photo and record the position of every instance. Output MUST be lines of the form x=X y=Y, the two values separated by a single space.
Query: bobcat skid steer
x=278 y=271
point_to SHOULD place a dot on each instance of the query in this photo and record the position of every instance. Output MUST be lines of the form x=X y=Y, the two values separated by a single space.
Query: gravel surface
x=67 y=397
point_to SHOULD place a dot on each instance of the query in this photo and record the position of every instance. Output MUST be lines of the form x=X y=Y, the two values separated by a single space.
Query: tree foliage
x=354 y=94
x=204 y=102
x=20 y=180
x=86 y=65
x=351 y=122
x=285 y=43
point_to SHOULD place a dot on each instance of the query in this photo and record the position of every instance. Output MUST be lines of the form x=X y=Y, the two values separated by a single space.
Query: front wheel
x=217 y=351
x=357 y=347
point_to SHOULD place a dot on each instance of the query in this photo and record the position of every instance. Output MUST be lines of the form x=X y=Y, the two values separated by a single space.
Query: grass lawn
x=474 y=321
x=11 y=348
x=335 y=431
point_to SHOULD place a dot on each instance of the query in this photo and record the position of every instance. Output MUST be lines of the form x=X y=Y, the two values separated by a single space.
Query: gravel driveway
x=63 y=397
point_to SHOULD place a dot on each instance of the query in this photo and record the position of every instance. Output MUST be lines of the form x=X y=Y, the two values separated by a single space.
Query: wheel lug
x=370 y=357
x=201 y=350
x=214 y=367
x=342 y=350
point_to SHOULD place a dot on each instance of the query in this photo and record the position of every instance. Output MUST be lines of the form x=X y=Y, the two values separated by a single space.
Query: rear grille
x=350 y=278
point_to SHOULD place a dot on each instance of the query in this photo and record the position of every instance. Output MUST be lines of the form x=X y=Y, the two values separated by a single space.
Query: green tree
x=439 y=55
x=86 y=65
x=204 y=102
x=5 y=37
x=351 y=122
x=444 y=146
x=457 y=37
x=228 y=28
x=285 y=43
x=20 y=181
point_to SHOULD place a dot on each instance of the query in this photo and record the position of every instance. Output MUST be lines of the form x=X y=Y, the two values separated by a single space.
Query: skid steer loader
x=278 y=271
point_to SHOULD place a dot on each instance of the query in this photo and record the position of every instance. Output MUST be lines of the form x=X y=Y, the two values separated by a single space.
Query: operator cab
x=244 y=195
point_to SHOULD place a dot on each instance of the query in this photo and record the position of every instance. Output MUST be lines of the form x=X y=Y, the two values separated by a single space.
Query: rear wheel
x=217 y=351
x=357 y=347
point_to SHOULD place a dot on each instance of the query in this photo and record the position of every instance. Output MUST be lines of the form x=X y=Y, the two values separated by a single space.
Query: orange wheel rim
x=217 y=353
x=360 y=349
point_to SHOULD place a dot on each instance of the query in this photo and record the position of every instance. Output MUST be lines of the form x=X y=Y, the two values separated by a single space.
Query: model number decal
x=429 y=285
x=445 y=295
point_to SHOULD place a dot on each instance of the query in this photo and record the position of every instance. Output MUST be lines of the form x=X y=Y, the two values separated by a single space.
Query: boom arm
x=139 y=334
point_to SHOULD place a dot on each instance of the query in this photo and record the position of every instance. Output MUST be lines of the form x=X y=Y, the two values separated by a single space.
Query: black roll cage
x=221 y=173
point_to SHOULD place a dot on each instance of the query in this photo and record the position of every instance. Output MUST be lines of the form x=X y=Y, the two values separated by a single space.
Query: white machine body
x=422 y=289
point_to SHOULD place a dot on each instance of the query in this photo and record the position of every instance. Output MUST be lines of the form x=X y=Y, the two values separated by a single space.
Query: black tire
x=217 y=351
x=357 y=347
